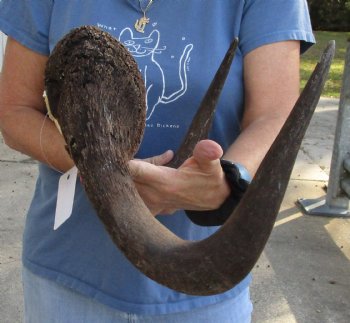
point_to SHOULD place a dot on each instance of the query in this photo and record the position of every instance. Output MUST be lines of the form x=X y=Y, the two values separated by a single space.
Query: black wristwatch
x=238 y=179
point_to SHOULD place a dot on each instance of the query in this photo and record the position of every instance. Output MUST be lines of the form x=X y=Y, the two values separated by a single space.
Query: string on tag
x=42 y=147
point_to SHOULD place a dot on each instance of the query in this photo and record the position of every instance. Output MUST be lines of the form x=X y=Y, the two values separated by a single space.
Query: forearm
x=271 y=78
x=22 y=110
x=28 y=131
x=255 y=140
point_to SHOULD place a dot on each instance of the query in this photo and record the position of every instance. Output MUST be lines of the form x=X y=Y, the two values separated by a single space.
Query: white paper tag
x=65 y=197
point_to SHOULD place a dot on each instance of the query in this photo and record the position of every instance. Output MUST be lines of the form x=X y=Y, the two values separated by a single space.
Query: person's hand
x=198 y=184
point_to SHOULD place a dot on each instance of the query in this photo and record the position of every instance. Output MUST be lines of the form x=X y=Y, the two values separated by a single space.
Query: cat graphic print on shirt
x=146 y=49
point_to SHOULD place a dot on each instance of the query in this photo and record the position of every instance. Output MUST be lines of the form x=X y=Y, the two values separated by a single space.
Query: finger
x=148 y=173
x=138 y=168
x=167 y=211
x=162 y=159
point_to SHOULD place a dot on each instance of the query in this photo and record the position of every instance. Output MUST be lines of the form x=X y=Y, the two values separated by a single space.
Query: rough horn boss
x=97 y=95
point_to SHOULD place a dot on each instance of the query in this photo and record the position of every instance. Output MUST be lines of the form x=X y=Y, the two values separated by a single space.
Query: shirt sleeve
x=28 y=22
x=269 y=21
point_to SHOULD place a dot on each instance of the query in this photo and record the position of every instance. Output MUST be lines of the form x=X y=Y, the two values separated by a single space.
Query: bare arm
x=271 y=76
x=22 y=109
x=271 y=81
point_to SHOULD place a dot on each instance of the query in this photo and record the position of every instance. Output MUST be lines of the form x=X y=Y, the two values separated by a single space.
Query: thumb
x=207 y=154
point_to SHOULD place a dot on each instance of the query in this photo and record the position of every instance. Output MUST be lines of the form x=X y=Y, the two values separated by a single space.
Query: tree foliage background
x=331 y=15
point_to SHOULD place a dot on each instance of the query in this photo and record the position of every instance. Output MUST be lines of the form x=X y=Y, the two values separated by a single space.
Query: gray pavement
x=303 y=274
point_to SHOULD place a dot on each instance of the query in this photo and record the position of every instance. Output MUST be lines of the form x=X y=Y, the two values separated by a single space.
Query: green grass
x=311 y=57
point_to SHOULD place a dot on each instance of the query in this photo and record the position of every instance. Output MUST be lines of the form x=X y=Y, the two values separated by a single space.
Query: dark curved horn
x=97 y=95
x=202 y=121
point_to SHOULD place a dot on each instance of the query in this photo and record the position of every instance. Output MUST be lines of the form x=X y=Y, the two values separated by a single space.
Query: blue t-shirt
x=178 y=54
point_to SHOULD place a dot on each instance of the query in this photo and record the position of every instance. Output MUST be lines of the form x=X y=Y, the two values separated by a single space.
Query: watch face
x=237 y=176
x=244 y=173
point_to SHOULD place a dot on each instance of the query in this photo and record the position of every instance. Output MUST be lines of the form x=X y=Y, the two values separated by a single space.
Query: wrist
x=238 y=179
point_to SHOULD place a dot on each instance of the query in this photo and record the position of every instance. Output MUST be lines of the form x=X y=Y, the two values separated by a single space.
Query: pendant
x=141 y=23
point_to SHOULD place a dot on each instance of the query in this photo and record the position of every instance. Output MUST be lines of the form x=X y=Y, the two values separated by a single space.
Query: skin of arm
x=22 y=108
x=271 y=79
x=271 y=75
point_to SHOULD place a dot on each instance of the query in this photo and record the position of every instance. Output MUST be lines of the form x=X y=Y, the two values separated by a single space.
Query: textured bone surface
x=97 y=95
